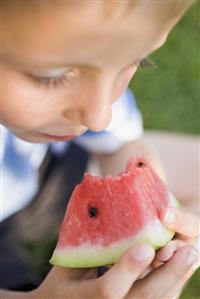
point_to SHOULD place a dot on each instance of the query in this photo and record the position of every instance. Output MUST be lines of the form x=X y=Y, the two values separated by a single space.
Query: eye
x=55 y=82
x=147 y=63
x=49 y=81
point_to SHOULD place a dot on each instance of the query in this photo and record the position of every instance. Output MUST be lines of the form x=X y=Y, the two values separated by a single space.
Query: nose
x=96 y=114
x=92 y=104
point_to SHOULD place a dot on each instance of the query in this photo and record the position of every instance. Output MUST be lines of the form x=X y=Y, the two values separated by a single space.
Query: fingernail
x=170 y=217
x=192 y=257
x=143 y=252
x=173 y=246
x=169 y=252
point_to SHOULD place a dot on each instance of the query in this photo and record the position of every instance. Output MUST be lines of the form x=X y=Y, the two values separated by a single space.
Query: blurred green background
x=169 y=95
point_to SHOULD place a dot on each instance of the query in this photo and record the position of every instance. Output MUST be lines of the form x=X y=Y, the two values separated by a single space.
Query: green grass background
x=169 y=95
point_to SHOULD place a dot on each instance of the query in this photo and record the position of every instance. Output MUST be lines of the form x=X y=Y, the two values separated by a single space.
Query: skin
x=30 y=108
x=96 y=56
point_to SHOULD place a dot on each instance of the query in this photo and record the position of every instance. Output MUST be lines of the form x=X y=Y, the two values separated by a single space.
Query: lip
x=58 y=138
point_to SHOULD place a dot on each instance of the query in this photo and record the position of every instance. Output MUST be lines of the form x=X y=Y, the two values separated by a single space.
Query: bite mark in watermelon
x=107 y=215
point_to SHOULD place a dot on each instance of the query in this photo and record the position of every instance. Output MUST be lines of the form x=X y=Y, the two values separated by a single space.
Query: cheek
x=23 y=107
x=123 y=80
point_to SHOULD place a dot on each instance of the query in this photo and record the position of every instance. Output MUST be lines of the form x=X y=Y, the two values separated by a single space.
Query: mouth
x=58 y=138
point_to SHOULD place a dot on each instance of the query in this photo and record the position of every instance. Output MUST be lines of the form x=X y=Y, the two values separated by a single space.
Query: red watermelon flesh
x=107 y=215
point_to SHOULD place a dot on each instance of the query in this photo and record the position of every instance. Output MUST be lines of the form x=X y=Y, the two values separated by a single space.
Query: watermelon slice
x=107 y=215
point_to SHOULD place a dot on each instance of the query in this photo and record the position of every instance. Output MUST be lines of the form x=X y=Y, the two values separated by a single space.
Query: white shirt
x=20 y=160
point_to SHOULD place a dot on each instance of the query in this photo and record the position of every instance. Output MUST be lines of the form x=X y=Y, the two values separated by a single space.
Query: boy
x=64 y=64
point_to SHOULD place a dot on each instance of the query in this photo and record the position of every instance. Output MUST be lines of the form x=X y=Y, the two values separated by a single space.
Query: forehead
x=79 y=29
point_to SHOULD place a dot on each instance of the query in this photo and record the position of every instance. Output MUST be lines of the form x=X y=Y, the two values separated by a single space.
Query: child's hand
x=121 y=280
x=65 y=283
x=184 y=223
x=187 y=228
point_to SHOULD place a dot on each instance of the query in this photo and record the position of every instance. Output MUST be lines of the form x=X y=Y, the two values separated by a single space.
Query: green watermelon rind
x=92 y=256
x=173 y=202
x=89 y=255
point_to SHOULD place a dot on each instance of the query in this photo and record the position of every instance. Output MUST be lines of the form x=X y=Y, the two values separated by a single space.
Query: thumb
x=117 y=281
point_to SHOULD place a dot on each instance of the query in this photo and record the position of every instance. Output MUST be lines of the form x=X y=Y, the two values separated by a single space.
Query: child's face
x=63 y=66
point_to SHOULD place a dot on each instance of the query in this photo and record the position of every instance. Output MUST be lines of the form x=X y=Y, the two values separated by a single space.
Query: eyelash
x=145 y=63
x=50 y=81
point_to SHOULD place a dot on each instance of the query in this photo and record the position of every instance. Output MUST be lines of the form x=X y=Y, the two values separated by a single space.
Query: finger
x=117 y=281
x=186 y=224
x=167 y=280
x=165 y=253
x=91 y=273
x=73 y=273
x=146 y=271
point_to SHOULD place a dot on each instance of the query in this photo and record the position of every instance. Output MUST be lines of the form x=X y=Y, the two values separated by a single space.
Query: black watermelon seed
x=140 y=164
x=92 y=211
